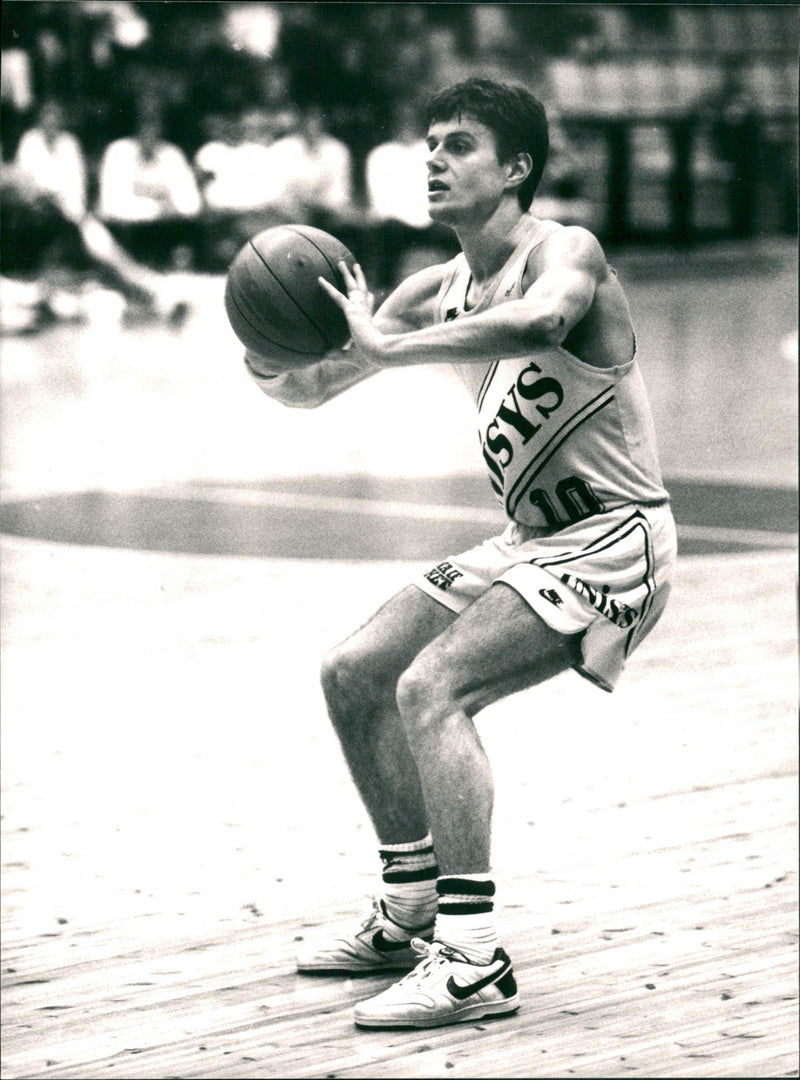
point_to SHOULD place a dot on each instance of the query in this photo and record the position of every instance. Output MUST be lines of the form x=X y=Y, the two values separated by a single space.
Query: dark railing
x=705 y=179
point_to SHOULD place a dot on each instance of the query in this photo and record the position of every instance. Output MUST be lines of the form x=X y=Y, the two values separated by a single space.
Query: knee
x=335 y=675
x=348 y=683
x=423 y=697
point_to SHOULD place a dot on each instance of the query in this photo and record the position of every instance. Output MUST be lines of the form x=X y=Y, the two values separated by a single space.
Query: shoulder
x=574 y=246
x=171 y=150
x=570 y=247
x=382 y=152
x=68 y=141
x=286 y=144
x=119 y=148
x=32 y=138
x=413 y=303
x=331 y=144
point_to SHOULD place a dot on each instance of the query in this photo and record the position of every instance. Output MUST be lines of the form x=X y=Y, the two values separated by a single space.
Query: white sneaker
x=364 y=950
x=444 y=988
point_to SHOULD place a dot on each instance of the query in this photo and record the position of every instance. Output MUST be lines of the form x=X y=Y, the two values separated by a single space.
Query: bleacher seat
x=655 y=87
x=608 y=93
x=763 y=29
x=729 y=29
x=570 y=84
x=694 y=82
x=690 y=28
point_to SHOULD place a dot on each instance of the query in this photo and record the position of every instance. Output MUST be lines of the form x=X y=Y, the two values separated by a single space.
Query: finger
x=361 y=281
x=334 y=293
x=349 y=280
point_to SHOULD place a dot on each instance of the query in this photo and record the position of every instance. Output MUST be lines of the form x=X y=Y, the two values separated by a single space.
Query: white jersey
x=562 y=440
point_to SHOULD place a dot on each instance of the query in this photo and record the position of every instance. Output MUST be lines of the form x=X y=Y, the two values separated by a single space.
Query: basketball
x=274 y=302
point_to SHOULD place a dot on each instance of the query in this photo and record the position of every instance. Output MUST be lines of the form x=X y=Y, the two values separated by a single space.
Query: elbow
x=548 y=328
x=278 y=390
x=288 y=392
x=308 y=401
x=555 y=329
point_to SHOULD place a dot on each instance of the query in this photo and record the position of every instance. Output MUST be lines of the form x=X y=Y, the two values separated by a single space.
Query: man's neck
x=488 y=246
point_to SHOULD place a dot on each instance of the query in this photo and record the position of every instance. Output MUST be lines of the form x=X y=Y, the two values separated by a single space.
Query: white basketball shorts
x=607 y=577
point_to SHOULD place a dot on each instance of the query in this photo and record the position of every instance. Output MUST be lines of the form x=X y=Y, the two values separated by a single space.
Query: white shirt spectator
x=396 y=178
x=16 y=79
x=241 y=177
x=316 y=165
x=54 y=166
x=136 y=185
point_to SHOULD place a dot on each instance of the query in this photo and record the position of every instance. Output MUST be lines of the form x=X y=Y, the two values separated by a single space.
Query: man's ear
x=519 y=168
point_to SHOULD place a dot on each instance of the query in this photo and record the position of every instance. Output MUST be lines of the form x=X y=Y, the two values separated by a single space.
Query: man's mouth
x=437 y=185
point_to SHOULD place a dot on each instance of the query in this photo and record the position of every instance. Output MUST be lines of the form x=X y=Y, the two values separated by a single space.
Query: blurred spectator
x=396 y=173
x=730 y=110
x=318 y=169
x=728 y=144
x=244 y=183
x=560 y=194
x=215 y=162
x=148 y=194
x=397 y=194
x=47 y=230
x=16 y=79
x=237 y=165
x=16 y=88
x=44 y=199
x=51 y=161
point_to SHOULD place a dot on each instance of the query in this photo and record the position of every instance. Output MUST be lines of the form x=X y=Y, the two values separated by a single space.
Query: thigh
x=497 y=646
x=390 y=640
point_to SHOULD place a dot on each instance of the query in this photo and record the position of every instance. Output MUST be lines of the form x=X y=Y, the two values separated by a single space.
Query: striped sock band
x=409 y=883
x=465 y=916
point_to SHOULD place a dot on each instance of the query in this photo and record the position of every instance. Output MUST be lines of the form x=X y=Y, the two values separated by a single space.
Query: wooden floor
x=177 y=815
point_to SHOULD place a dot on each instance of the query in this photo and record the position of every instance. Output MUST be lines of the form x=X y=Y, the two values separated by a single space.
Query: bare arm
x=311 y=386
x=407 y=308
x=569 y=268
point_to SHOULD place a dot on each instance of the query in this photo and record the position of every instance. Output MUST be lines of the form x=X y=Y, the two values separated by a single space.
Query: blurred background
x=674 y=125
x=143 y=143
x=178 y=550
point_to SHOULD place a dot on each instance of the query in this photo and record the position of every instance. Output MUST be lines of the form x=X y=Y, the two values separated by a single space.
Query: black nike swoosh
x=463 y=992
x=384 y=945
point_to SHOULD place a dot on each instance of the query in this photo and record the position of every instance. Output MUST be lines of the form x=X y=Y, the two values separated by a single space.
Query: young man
x=538 y=326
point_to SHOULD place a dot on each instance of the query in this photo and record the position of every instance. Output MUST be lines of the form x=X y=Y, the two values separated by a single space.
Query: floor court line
x=675 y=841
x=437 y=512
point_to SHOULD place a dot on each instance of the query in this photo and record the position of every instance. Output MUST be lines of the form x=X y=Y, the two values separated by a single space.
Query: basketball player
x=538 y=326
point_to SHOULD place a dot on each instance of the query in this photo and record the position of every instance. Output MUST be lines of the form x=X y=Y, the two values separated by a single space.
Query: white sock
x=409 y=886
x=465 y=916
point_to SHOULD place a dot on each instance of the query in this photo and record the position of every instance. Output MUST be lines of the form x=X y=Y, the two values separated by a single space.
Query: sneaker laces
x=375 y=915
x=434 y=954
x=379 y=916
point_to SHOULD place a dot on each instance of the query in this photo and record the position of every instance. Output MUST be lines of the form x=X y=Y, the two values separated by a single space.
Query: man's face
x=465 y=179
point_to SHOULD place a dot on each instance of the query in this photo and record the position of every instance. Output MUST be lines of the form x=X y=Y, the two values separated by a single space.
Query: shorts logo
x=615 y=611
x=443 y=575
x=552 y=596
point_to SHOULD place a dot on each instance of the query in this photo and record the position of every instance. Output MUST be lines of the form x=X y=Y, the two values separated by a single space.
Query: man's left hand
x=357 y=307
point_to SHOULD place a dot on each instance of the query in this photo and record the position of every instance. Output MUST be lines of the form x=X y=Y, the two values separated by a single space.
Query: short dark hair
x=516 y=117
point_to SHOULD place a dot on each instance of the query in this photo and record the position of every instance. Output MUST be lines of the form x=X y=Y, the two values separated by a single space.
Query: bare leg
x=359 y=679
x=101 y=245
x=495 y=648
